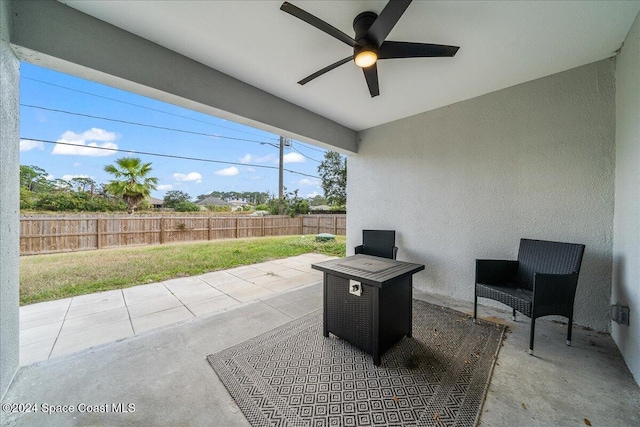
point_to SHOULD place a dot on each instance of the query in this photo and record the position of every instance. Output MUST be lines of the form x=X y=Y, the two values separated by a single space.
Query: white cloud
x=50 y=177
x=27 y=144
x=165 y=187
x=97 y=134
x=70 y=177
x=230 y=171
x=81 y=143
x=272 y=158
x=249 y=158
x=310 y=195
x=191 y=176
x=306 y=181
x=293 y=158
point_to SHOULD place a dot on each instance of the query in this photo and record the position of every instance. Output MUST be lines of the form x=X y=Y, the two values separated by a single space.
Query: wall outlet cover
x=620 y=314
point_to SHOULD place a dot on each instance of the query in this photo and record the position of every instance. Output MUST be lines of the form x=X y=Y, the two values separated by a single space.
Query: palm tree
x=131 y=183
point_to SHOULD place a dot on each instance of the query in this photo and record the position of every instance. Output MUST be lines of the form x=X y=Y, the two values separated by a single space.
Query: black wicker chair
x=541 y=282
x=380 y=243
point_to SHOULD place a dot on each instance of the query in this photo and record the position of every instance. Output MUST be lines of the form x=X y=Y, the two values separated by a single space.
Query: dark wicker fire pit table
x=368 y=301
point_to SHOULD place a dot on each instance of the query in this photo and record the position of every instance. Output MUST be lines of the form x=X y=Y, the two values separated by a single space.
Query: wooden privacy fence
x=41 y=235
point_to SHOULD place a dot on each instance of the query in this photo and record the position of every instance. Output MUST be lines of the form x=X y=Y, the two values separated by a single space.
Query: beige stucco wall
x=626 y=248
x=469 y=180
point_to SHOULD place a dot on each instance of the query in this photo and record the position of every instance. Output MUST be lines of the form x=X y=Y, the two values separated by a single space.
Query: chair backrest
x=541 y=256
x=379 y=242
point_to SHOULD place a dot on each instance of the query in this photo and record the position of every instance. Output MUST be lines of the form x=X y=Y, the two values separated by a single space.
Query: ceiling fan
x=369 y=44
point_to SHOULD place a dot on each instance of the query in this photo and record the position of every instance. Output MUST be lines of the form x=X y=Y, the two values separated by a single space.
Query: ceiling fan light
x=366 y=58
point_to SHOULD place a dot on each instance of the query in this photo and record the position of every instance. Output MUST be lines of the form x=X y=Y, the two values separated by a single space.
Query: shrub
x=338 y=209
x=186 y=207
x=26 y=198
x=292 y=205
x=216 y=208
x=75 y=202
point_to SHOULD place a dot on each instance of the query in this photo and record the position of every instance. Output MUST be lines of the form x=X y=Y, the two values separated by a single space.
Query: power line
x=146 y=125
x=314 y=149
x=171 y=156
x=140 y=106
x=159 y=111
x=304 y=155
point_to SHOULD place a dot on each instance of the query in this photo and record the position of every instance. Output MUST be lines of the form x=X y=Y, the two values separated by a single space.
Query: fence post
x=98 y=242
x=301 y=225
x=161 y=230
x=335 y=225
x=209 y=229
x=237 y=227
x=263 y=226
x=318 y=225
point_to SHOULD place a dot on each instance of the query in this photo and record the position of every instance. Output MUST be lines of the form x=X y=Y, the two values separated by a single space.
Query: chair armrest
x=358 y=249
x=496 y=271
x=395 y=252
x=554 y=293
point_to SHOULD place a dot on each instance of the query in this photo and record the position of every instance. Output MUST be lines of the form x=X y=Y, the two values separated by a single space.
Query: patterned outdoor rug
x=293 y=376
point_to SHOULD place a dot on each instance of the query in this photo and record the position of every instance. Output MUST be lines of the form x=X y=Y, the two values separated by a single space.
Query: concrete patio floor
x=54 y=328
x=165 y=375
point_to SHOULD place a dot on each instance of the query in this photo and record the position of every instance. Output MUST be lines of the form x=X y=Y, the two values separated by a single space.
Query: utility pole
x=281 y=179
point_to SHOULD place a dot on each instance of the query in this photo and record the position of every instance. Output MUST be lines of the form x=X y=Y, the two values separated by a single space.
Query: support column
x=9 y=202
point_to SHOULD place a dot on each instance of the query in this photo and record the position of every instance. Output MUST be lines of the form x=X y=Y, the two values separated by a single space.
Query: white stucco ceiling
x=502 y=43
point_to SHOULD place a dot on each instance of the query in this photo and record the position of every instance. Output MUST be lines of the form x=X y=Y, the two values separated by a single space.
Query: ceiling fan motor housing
x=361 y=25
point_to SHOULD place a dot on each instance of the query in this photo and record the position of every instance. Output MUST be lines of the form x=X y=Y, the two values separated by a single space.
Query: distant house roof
x=212 y=201
x=237 y=202
x=155 y=202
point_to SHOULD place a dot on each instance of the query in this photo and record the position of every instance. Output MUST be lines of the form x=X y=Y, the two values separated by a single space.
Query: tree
x=132 y=182
x=83 y=184
x=173 y=197
x=292 y=204
x=296 y=205
x=33 y=178
x=60 y=185
x=38 y=192
x=333 y=172
x=317 y=200
x=256 y=197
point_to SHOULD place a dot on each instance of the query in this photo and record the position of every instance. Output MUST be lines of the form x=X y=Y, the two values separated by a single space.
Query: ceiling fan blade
x=391 y=50
x=325 y=69
x=371 y=75
x=387 y=19
x=318 y=23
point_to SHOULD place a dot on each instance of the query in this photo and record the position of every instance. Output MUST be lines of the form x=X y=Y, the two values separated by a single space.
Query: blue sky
x=49 y=90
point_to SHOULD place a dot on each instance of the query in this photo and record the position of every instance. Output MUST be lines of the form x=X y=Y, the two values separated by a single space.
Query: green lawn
x=50 y=277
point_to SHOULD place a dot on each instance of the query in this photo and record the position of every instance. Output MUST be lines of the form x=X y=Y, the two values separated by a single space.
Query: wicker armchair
x=541 y=282
x=380 y=243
